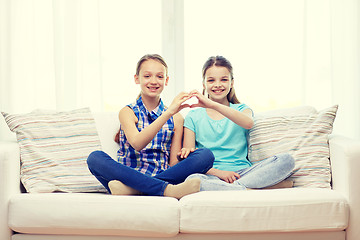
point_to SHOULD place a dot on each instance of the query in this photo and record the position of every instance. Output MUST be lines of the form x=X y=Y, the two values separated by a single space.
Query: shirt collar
x=154 y=114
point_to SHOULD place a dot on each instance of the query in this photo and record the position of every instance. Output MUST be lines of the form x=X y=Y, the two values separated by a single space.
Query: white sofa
x=281 y=214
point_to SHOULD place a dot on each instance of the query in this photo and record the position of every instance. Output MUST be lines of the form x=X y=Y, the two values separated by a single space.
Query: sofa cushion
x=280 y=210
x=303 y=132
x=54 y=147
x=94 y=214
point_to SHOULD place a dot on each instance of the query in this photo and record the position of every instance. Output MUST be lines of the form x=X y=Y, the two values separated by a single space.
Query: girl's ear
x=232 y=83
x=136 y=78
x=167 y=81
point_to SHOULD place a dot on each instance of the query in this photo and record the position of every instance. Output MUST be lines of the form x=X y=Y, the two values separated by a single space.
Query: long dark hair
x=220 y=61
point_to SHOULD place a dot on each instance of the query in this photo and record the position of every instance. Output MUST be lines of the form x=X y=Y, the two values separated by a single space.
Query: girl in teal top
x=221 y=124
x=218 y=135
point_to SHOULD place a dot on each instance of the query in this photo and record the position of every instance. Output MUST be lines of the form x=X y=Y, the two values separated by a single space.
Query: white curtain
x=345 y=65
x=82 y=53
x=53 y=55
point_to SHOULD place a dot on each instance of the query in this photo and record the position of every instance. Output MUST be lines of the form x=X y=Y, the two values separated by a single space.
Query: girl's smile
x=153 y=89
x=218 y=83
x=152 y=78
x=218 y=91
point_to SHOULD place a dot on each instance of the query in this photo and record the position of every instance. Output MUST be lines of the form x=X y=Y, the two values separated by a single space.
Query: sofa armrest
x=9 y=182
x=345 y=165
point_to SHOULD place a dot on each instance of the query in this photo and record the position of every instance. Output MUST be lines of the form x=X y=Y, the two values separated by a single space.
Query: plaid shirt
x=154 y=158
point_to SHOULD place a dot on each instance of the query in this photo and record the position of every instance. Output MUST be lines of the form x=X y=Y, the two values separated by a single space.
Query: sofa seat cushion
x=94 y=214
x=280 y=210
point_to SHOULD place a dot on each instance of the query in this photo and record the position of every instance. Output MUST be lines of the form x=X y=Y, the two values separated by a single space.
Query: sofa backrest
x=107 y=125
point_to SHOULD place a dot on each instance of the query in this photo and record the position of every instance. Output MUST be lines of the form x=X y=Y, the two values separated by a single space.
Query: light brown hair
x=155 y=57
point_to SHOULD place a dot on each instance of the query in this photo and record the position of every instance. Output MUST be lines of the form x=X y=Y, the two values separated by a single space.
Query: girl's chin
x=152 y=93
x=217 y=96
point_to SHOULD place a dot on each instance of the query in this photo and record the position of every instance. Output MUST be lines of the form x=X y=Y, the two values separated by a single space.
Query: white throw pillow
x=54 y=147
x=303 y=132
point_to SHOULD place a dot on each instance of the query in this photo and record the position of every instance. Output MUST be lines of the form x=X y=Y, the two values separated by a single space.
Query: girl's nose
x=153 y=79
x=217 y=83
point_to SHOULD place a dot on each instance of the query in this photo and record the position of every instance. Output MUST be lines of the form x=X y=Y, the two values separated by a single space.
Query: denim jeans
x=264 y=174
x=105 y=169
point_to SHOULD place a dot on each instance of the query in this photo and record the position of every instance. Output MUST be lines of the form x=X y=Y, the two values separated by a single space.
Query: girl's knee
x=195 y=175
x=93 y=157
x=206 y=154
x=287 y=160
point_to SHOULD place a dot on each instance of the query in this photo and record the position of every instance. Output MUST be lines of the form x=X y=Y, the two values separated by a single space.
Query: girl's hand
x=227 y=176
x=242 y=118
x=204 y=102
x=177 y=103
x=184 y=153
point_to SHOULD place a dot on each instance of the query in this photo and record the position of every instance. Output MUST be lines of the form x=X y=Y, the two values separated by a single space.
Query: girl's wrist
x=214 y=105
x=168 y=113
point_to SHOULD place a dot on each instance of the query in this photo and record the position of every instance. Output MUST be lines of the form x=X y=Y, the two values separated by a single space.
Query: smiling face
x=152 y=78
x=218 y=83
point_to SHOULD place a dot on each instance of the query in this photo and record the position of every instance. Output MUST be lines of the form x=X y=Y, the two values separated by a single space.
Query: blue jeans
x=264 y=174
x=105 y=169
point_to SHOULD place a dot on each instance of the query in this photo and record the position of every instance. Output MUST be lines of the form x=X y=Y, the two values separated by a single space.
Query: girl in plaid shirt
x=150 y=140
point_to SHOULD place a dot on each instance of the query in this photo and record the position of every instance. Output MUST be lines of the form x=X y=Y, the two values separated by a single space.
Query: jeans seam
x=162 y=191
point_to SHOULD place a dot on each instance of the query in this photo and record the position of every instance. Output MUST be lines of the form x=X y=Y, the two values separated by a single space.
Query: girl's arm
x=139 y=140
x=227 y=176
x=243 y=119
x=176 y=139
x=188 y=144
x=189 y=138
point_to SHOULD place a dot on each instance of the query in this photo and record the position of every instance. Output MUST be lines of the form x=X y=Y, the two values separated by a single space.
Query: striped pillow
x=54 y=148
x=303 y=132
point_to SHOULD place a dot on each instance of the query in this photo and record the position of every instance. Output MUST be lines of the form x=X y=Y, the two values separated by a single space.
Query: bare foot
x=283 y=184
x=118 y=188
x=180 y=190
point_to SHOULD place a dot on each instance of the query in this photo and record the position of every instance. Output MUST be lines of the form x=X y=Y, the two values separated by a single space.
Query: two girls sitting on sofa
x=151 y=159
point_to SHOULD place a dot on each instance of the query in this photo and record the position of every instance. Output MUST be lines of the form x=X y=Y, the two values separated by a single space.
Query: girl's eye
x=146 y=76
x=224 y=79
x=161 y=76
x=210 y=80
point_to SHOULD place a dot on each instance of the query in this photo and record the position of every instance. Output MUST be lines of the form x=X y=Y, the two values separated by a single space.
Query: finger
x=185 y=96
x=186 y=154
x=183 y=150
x=229 y=180
x=234 y=178
x=194 y=92
x=182 y=106
x=195 y=105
